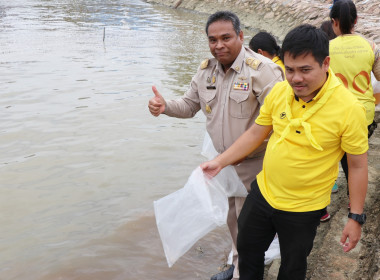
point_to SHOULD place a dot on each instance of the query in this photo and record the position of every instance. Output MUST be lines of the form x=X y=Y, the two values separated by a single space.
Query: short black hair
x=305 y=39
x=345 y=12
x=224 y=16
x=264 y=41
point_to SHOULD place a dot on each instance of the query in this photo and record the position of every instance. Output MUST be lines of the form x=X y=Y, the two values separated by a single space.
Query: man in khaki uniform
x=229 y=89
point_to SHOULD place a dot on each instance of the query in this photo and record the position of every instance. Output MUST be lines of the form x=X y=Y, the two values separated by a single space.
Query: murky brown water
x=82 y=160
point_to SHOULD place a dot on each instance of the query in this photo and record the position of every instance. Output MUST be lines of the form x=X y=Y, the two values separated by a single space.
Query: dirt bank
x=279 y=16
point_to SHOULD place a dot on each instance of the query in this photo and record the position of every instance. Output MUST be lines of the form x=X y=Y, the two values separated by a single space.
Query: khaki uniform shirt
x=230 y=101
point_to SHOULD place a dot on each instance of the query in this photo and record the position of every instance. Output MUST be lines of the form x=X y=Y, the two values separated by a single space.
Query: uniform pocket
x=208 y=101
x=241 y=104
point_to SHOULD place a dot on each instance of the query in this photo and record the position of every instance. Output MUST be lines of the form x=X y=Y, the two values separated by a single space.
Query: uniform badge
x=253 y=62
x=208 y=109
x=211 y=80
x=204 y=64
x=241 y=86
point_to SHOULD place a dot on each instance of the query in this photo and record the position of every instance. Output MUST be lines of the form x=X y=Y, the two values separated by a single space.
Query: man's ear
x=241 y=36
x=260 y=51
x=326 y=63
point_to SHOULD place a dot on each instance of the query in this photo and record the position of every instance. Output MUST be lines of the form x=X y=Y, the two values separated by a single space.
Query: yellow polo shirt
x=279 y=62
x=352 y=58
x=297 y=176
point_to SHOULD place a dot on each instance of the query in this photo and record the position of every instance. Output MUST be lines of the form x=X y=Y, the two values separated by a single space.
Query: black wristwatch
x=360 y=218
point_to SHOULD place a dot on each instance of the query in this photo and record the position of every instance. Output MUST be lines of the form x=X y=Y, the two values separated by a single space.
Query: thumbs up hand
x=157 y=103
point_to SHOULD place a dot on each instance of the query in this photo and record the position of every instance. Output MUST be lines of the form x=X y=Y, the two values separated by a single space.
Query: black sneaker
x=224 y=275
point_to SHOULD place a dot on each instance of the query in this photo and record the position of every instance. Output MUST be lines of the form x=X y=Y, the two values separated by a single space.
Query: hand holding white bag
x=188 y=214
x=228 y=176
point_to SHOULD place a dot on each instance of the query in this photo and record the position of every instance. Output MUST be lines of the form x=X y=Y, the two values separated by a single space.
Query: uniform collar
x=238 y=63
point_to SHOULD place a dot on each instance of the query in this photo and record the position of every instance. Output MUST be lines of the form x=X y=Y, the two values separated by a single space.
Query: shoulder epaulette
x=204 y=63
x=252 y=62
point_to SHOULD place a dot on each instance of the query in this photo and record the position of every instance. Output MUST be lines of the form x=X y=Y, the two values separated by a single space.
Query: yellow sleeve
x=265 y=116
x=355 y=134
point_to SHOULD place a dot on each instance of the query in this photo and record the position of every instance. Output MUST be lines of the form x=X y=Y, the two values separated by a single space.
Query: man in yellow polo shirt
x=314 y=122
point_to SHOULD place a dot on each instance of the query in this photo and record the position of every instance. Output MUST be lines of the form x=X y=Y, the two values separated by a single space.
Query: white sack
x=228 y=177
x=208 y=149
x=273 y=251
x=188 y=214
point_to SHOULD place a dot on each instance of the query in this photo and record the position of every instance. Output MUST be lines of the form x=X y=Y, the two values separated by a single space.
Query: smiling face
x=225 y=45
x=305 y=75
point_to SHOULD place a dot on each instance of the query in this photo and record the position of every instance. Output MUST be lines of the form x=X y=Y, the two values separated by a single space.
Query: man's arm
x=243 y=146
x=357 y=183
x=185 y=107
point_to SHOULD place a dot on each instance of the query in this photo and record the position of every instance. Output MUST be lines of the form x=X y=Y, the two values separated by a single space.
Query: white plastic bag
x=228 y=177
x=231 y=183
x=273 y=251
x=208 y=149
x=188 y=214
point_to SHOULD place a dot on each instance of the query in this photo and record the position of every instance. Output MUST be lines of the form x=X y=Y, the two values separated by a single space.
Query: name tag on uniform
x=241 y=86
x=211 y=87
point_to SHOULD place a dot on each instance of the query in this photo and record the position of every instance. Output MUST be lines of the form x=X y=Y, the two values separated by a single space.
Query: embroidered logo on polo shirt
x=282 y=115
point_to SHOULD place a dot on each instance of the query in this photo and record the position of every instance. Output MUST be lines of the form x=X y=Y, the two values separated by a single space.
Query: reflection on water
x=82 y=159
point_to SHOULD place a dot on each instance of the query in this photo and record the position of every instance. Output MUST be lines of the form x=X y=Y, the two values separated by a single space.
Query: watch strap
x=360 y=218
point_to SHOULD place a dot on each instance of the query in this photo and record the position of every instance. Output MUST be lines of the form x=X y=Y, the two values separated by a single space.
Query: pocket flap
x=239 y=95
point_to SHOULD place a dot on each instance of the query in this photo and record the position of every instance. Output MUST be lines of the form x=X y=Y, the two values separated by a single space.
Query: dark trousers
x=258 y=223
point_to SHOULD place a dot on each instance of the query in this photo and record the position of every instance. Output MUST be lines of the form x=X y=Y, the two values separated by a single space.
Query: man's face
x=305 y=75
x=225 y=45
